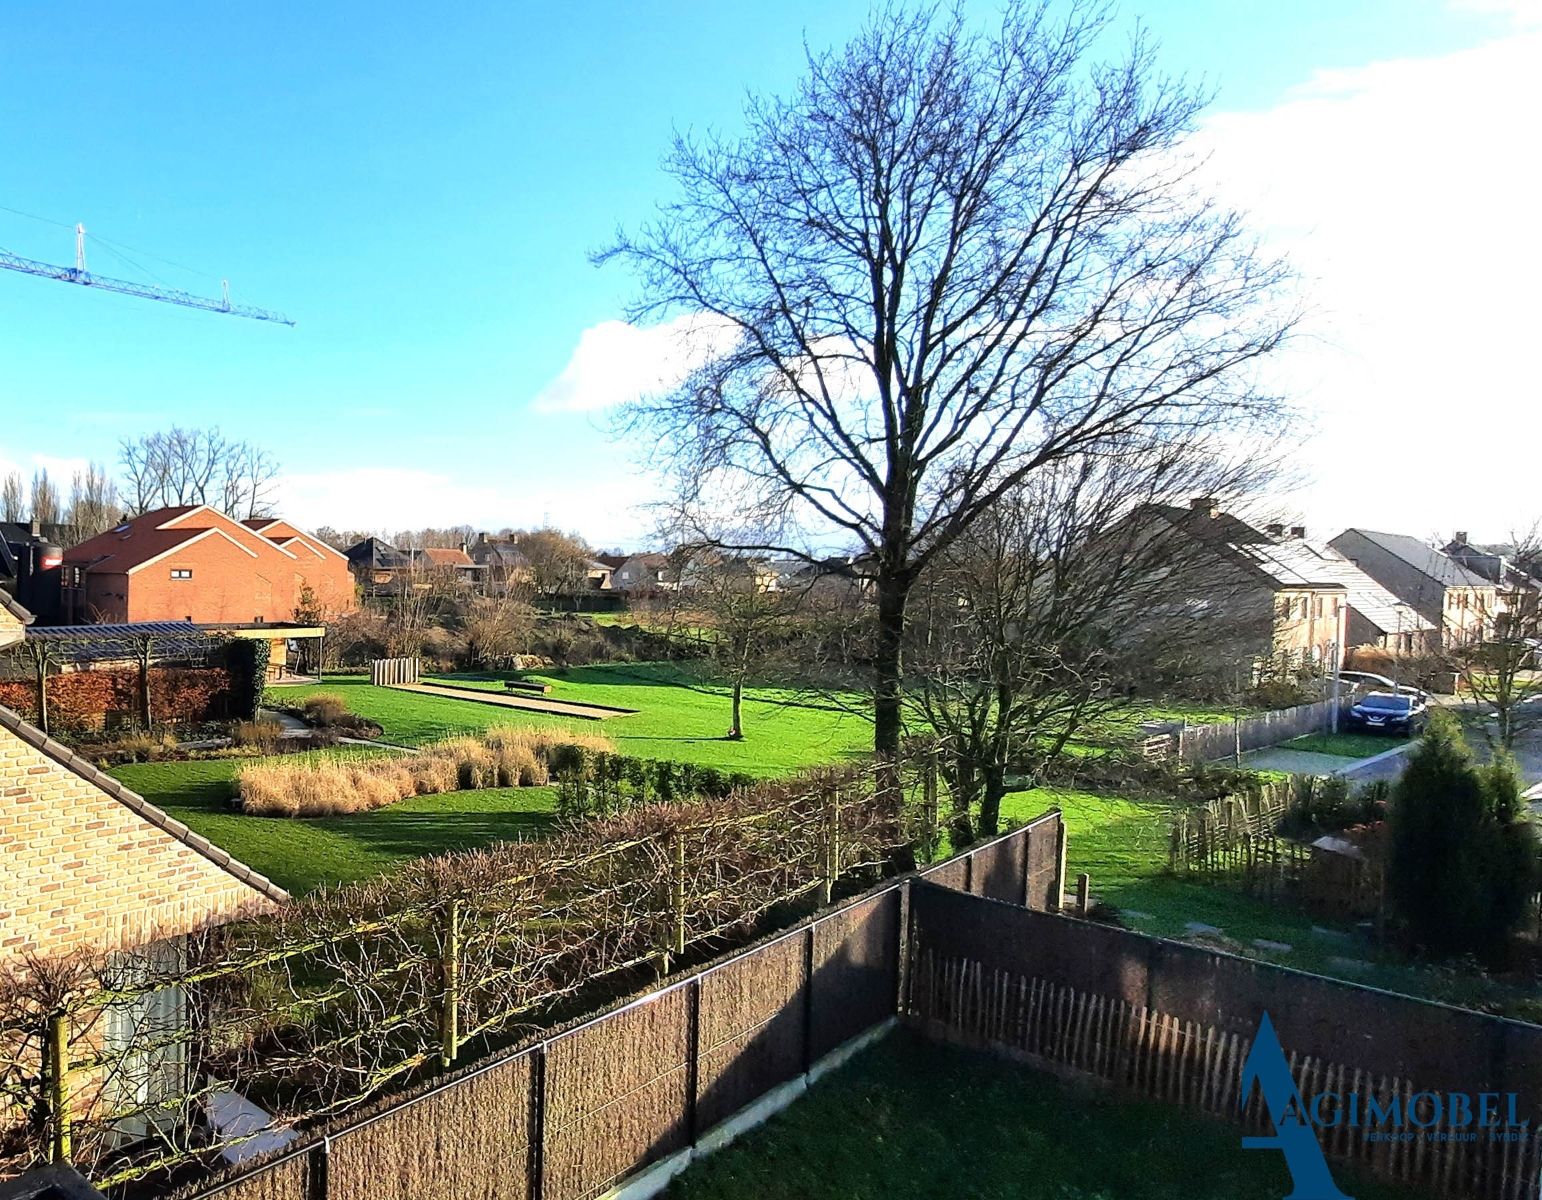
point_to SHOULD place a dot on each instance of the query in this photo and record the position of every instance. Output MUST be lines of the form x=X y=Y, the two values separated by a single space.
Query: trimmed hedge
x=596 y=783
x=83 y=701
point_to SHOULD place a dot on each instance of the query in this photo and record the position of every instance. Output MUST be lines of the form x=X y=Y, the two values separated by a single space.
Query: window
x=182 y=572
x=1302 y=608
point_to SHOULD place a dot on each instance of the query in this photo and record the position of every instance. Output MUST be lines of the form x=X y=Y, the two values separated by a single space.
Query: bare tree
x=44 y=498
x=196 y=466
x=558 y=562
x=1504 y=670
x=740 y=612
x=93 y=505
x=497 y=628
x=945 y=262
x=13 y=498
x=1056 y=608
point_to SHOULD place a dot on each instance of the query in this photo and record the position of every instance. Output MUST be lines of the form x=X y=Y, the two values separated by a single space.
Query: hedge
x=83 y=701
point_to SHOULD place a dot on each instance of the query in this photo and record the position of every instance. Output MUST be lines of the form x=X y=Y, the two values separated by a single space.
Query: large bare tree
x=1062 y=604
x=947 y=260
x=196 y=466
x=93 y=505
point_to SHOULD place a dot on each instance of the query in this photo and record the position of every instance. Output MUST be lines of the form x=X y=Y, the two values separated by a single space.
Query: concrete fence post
x=449 y=1008
x=1060 y=864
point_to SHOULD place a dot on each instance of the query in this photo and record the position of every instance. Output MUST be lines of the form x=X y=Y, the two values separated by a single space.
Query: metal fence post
x=58 y=1070
x=832 y=846
x=449 y=1015
x=678 y=890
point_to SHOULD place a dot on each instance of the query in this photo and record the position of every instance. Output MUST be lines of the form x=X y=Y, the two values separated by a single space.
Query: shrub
x=325 y=708
x=262 y=734
x=1461 y=867
x=507 y=756
x=143 y=747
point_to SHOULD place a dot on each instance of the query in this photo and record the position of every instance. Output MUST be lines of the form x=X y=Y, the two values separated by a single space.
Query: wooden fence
x=1229 y=739
x=634 y=1093
x=385 y=672
x=1175 y=1023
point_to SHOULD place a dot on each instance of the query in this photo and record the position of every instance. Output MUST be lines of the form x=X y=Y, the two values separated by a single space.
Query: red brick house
x=193 y=563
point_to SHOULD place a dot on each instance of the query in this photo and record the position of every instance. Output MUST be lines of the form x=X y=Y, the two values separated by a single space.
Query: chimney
x=1298 y=531
x=482 y=538
x=1461 y=536
x=1275 y=530
x=1206 y=505
x=37 y=528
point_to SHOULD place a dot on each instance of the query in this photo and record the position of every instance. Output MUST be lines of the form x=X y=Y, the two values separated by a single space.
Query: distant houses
x=194 y=563
x=1459 y=603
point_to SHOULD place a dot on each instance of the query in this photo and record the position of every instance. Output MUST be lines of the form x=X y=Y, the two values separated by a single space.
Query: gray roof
x=105 y=643
x=1367 y=597
x=1424 y=558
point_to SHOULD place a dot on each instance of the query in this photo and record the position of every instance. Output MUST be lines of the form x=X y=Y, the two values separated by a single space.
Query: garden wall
x=1175 y=1021
x=86 y=701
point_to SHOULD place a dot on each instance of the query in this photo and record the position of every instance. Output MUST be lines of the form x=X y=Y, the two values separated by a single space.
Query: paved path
x=560 y=708
x=1386 y=765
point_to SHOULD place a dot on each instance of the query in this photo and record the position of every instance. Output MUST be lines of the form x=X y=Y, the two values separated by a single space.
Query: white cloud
x=616 y=362
x=1406 y=191
x=603 y=508
x=1522 y=12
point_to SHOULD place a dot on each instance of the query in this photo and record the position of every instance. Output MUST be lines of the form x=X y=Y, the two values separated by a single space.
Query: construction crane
x=79 y=274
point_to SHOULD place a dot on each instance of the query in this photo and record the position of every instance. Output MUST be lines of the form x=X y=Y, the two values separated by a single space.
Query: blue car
x=1389 y=712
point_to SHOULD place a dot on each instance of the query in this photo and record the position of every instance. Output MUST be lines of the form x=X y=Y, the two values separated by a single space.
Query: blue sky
x=419 y=186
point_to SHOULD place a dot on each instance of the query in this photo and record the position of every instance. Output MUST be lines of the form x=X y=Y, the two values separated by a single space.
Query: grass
x=301 y=855
x=910 y=1120
x=1122 y=844
x=678 y=717
x=1345 y=745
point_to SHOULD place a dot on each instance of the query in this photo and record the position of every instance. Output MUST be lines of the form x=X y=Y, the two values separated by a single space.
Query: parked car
x=1390 y=712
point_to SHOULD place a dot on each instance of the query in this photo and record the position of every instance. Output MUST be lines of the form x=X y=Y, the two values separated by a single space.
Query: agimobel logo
x=1293 y=1135
x=1432 y=1117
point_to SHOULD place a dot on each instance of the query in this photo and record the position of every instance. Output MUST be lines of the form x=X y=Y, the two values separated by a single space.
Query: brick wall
x=87 y=863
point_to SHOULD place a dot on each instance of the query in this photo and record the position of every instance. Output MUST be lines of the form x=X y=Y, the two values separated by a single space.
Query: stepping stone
x=1337 y=935
x=1136 y=913
x=1274 y=947
x=1350 y=966
x=1199 y=928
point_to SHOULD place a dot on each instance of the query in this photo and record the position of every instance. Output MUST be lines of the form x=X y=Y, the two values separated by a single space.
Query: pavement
x=1386 y=765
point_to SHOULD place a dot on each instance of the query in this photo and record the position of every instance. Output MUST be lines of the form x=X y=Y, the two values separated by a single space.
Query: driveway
x=1386 y=765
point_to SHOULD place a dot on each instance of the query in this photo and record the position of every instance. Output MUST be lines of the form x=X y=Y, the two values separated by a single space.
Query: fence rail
x=639 y=1088
x=1174 y=1023
x=386 y=672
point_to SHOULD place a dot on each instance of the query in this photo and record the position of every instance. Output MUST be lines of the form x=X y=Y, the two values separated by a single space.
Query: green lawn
x=912 y=1120
x=677 y=718
x=1122 y=845
x=1345 y=745
x=300 y=855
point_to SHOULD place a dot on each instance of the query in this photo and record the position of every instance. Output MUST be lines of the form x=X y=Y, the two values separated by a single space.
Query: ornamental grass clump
x=505 y=756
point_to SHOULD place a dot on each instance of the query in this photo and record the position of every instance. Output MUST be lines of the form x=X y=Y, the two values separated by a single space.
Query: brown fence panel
x=617 y=1095
x=470 y=1139
x=751 y=1028
x=1000 y=869
x=1175 y=1023
x=855 y=975
x=286 y=1179
x=953 y=873
x=1043 y=854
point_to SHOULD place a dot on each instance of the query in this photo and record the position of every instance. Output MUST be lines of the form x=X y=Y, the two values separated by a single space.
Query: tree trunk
x=893 y=591
x=144 y=692
x=993 y=788
x=736 y=722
